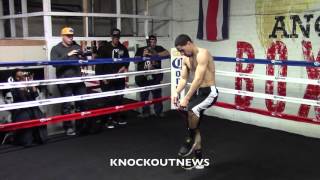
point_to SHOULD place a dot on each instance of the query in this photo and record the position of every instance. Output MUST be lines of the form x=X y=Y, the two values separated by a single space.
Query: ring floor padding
x=239 y=151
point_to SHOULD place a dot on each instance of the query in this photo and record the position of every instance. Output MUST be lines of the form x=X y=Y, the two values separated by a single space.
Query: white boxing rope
x=176 y=62
x=272 y=78
x=19 y=84
x=12 y=106
x=21 y=67
x=269 y=96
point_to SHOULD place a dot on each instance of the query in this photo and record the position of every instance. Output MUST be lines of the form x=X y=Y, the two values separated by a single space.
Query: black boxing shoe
x=189 y=165
x=195 y=161
x=187 y=147
x=198 y=156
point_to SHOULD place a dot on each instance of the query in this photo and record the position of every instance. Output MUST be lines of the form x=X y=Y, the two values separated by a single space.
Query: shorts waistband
x=206 y=89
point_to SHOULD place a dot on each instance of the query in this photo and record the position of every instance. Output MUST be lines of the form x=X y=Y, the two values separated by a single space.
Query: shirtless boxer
x=197 y=64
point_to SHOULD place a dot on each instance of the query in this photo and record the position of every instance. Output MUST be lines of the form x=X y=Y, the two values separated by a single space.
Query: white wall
x=247 y=23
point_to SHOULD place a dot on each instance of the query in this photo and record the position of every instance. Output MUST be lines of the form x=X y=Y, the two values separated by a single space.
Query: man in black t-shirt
x=152 y=49
x=113 y=49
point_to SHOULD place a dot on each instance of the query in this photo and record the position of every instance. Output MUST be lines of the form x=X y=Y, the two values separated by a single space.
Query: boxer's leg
x=194 y=130
x=197 y=105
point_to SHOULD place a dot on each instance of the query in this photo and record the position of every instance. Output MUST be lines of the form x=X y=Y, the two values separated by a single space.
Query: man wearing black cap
x=152 y=49
x=113 y=49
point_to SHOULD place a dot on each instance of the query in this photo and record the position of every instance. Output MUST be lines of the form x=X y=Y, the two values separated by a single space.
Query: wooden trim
x=22 y=42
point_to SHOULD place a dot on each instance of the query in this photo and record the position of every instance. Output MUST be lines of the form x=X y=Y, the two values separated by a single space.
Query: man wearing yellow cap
x=68 y=49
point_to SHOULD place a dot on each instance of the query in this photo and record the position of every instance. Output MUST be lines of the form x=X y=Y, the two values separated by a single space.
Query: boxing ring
x=80 y=115
x=175 y=73
x=228 y=142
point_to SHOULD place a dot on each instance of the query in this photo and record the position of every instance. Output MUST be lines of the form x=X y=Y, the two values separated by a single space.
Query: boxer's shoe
x=195 y=161
x=187 y=147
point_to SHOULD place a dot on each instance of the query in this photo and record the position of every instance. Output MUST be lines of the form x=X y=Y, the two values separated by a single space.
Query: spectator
x=26 y=137
x=152 y=49
x=69 y=50
x=113 y=49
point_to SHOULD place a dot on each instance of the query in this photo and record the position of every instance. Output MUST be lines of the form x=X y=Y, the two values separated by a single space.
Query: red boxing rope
x=126 y=107
x=267 y=113
x=77 y=116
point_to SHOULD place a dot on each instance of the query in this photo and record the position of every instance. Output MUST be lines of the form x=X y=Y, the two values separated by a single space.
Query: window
x=160 y=28
x=66 y=6
x=7 y=32
x=35 y=26
x=34 y=6
x=102 y=17
x=127 y=7
x=127 y=27
x=5 y=7
x=17 y=7
x=102 y=6
x=101 y=27
x=141 y=6
x=140 y=27
x=18 y=25
x=75 y=22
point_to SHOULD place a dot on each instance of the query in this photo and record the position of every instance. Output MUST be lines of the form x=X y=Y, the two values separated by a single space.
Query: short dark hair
x=148 y=39
x=14 y=73
x=153 y=37
x=182 y=40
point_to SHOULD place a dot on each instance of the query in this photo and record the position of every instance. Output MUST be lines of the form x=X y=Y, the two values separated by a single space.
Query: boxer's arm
x=184 y=78
x=199 y=75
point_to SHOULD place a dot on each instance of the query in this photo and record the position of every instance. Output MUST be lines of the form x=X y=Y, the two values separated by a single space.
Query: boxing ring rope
x=79 y=79
x=270 y=96
x=264 y=77
x=81 y=62
x=97 y=112
x=267 y=61
x=272 y=78
x=79 y=97
x=138 y=59
x=78 y=116
x=275 y=78
x=84 y=114
x=266 y=96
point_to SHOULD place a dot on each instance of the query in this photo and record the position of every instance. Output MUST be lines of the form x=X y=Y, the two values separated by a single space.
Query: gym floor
x=237 y=151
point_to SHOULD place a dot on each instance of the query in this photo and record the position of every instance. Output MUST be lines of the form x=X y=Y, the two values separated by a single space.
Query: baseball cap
x=67 y=31
x=115 y=33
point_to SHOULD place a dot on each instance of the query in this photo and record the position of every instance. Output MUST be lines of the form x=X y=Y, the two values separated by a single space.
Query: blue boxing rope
x=157 y=58
x=266 y=61
x=81 y=62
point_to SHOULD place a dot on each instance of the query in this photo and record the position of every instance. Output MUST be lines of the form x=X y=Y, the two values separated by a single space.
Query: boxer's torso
x=209 y=76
